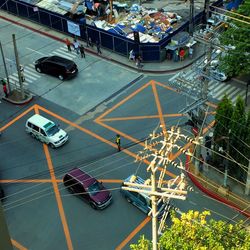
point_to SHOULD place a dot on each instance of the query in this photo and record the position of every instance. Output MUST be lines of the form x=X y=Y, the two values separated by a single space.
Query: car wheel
x=52 y=145
x=93 y=205
x=38 y=69
x=32 y=135
x=61 y=77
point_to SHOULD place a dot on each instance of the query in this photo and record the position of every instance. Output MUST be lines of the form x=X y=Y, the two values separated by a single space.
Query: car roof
x=40 y=121
x=59 y=59
x=82 y=177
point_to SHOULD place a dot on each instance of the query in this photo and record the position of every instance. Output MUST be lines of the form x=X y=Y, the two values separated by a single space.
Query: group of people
x=79 y=48
x=136 y=58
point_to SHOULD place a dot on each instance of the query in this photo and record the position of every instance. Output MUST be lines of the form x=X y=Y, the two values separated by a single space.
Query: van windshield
x=94 y=188
x=52 y=130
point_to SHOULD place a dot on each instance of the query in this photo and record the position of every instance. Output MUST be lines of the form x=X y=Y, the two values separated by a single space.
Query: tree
x=237 y=136
x=237 y=61
x=224 y=112
x=193 y=231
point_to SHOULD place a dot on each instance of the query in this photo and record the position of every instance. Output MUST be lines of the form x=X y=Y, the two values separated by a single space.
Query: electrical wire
x=230 y=12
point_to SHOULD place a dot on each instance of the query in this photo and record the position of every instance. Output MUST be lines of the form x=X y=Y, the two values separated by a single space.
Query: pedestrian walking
x=118 y=142
x=68 y=43
x=201 y=162
x=76 y=46
x=98 y=47
x=138 y=62
x=131 y=55
x=5 y=90
x=82 y=51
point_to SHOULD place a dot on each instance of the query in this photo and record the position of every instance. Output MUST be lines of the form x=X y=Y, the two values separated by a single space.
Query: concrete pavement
x=204 y=182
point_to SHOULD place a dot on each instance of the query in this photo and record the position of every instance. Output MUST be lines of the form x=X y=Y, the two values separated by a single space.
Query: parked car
x=218 y=75
x=46 y=131
x=56 y=66
x=142 y=200
x=88 y=188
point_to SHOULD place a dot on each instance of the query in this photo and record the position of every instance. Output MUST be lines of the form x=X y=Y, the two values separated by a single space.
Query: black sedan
x=56 y=66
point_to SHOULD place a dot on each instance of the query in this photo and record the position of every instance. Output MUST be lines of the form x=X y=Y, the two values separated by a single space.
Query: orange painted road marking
x=158 y=104
x=133 y=233
x=167 y=87
x=58 y=197
x=16 y=118
x=29 y=181
x=139 y=117
x=123 y=101
x=18 y=245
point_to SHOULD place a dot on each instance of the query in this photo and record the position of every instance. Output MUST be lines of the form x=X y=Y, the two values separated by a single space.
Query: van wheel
x=38 y=69
x=129 y=201
x=52 y=145
x=61 y=77
x=93 y=205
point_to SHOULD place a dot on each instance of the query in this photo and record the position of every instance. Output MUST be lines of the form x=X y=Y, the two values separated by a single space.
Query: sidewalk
x=210 y=181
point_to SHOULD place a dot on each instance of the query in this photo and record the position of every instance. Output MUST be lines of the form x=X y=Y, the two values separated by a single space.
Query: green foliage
x=194 y=231
x=237 y=61
x=237 y=136
x=222 y=120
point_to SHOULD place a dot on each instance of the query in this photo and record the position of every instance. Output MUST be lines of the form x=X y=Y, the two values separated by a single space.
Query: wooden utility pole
x=5 y=68
x=5 y=242
x=18 y=66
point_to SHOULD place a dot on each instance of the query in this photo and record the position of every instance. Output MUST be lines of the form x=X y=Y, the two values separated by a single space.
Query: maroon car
x=88 y=188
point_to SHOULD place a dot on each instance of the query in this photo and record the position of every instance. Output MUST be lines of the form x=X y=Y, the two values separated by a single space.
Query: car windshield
x=52 y=130
x=94 y=188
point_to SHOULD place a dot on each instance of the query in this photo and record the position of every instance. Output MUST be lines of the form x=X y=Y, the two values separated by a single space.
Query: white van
x=46 y=131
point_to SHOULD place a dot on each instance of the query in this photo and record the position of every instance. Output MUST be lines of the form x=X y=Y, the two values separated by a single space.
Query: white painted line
x=234 y=93
x=64 y=48
x=26 y=79
x=242 y=94
x=226 y=91
x=173 y=77
x=66 y=54
x=40 y=53
x=213 y=84
x=59 y=54
x=26 y=76
x=220 y=86
x=15 y=81
x=14 y=78
x=30 y=72
x=193 y=203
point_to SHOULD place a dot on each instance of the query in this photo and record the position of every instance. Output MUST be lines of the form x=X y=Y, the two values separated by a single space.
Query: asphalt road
x=40 y=212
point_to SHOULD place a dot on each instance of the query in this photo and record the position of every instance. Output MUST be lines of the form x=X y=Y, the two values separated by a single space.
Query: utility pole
x=191 y=17
x=18 y=66
x=5 y=242
x=247 y=189
x=5 y=68
x=161 y=150
x=206 y=9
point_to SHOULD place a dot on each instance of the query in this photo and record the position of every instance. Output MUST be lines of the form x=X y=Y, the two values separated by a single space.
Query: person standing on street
x=118 y=142
x=22 y=73
x=76 y=46
x=82 y=51
x=5 y=90
x=98 y=46
x=68 y=43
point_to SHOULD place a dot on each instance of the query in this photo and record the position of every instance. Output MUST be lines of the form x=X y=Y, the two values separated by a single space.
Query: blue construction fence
x=150 y=52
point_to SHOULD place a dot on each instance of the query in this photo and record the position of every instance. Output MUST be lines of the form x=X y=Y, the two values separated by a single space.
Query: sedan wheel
x=93 y=205
x=38 y=70
x=61 y=77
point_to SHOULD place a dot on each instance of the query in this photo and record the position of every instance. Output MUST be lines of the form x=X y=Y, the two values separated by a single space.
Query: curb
x=210 y=193
x=96 y=54
x=26 y=101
